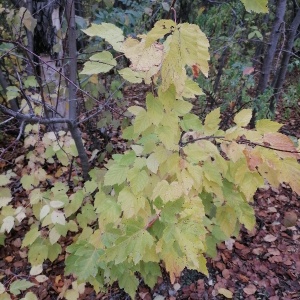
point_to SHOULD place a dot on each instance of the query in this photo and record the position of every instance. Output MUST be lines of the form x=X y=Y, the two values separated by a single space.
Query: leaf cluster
x=182 y=187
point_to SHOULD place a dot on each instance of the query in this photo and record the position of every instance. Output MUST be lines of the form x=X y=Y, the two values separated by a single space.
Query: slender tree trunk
x=281 y=73
x=72 y=59
x=29 y=67
x=269 y=56
x=220 y=69
x=260 y=44
x=272 y=47
x=72 y=75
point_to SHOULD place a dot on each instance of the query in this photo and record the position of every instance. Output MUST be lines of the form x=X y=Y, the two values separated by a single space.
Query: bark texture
x=281 y=74
x=272 y=46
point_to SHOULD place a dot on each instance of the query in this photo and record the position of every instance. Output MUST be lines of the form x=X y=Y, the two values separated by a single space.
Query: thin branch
x=241 y=141
x=32 y=118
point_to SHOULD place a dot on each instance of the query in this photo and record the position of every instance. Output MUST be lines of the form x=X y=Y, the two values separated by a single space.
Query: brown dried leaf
x=270 y=238
x=290 y=219
x=248 y=70
x=243 y=278
x=274 y=251
x=239 y=246
x=281 y=142
x=253 y=159
x=250 y=289
x=9 y=259
x=226 y=273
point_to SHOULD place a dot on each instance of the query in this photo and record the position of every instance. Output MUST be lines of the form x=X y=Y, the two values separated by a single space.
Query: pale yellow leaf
x=58 y=217
x=267 y=126
x=44 y=211
x=7 y=224
x=160 y=29
x=110 y=32
x=35 y=270
x=41 y=278
x=4 y=180
x=4 y=201
x=131 y=76
x=212 y=120
x=226 y=293
x=27 y=19
x=258 y=6
x=53 y=236
x=243 y=117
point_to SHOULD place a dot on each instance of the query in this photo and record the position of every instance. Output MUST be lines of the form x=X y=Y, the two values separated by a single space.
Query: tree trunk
x=272 y=47
x=269 y=57
x=72 y=87
x=29 y=34
x=257 y=60
x=49 y=46
x=281 y=73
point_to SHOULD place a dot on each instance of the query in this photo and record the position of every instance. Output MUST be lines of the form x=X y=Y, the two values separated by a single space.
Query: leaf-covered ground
x=261 y=264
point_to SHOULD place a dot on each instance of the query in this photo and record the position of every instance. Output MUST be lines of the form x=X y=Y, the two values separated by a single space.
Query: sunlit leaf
x=99 y=63
x=131 y=76
x=258 y=6
x=111 y=33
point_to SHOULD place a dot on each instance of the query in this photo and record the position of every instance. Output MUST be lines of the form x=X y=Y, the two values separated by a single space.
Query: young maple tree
x=182 y=187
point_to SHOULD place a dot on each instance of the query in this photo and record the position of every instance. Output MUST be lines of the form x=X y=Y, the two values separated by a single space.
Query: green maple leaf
x=155 y=109
x=135 y=245
x=182 y=107
x=173 y=258
x=138 y=180
x=108 y=209
x=169 y=136
x=75 y=203
x=130 y=203
x=131 y=76
x=212 y=173
x=116 y=174
x=83 y=260
x=99 y=63
x=20 y=285
x=38 y=252
x=191 y=122
x=31 y=236
x=226 y=218
x=150 y=272
x=235 y=200
x=129 y=282
x=191 y=89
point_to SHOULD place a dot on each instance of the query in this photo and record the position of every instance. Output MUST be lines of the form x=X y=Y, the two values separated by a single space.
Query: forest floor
x=261 y=264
